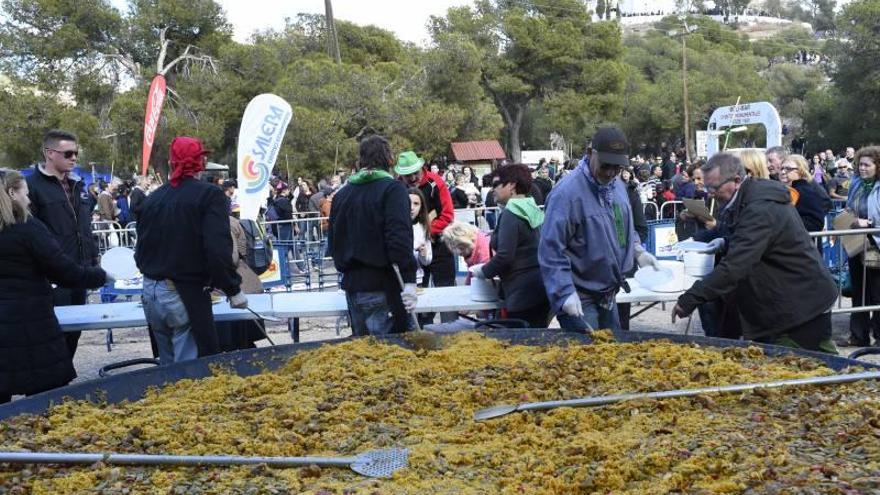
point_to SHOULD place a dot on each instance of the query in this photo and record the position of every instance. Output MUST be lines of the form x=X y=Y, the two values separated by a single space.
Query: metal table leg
x=293 y=328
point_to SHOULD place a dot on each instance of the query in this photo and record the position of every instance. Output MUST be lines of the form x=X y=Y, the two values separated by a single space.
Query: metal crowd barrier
x=109 y=235
x=837 y=262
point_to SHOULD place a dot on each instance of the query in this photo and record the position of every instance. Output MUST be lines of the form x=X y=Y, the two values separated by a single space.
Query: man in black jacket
x=55 y=200
x=370 y=232
x=184 y=249
x=783 y=291
x=136 y=198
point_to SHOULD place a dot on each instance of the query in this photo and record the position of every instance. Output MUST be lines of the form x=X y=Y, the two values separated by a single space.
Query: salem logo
x=265 y=149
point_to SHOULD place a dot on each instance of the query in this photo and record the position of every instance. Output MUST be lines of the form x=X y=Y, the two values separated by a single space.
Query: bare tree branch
x=163 y=50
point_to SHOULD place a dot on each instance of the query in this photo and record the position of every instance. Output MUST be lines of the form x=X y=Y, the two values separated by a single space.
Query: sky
x=406 y=18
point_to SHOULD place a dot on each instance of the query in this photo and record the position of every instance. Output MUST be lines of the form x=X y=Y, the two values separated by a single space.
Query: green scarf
x=868 y=184
x=527 y=209
x=619 y=225
x=369 y=175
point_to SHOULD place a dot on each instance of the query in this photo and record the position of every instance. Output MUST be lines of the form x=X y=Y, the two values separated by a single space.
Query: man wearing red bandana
x=184 y=250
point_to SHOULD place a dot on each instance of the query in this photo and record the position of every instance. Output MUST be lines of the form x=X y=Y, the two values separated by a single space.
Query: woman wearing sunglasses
x=810 y=199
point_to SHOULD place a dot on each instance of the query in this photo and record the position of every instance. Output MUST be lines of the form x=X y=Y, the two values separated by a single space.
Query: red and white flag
x=155 y=99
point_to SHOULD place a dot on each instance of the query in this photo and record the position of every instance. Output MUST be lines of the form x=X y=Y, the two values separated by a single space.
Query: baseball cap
x=612 y=146
x=185 y=148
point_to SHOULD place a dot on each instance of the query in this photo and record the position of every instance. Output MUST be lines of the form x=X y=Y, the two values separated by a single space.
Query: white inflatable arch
x=761 y=112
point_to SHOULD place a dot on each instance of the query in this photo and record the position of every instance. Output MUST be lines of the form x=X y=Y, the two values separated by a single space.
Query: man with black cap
x=588 y=241
x=184 y=249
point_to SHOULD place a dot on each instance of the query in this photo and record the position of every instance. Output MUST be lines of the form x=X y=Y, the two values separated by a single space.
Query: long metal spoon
x=497 y=411
x=373 y=463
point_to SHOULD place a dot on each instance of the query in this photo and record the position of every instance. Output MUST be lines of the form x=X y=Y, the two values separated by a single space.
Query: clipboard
x=697 y=208
x=852 y=244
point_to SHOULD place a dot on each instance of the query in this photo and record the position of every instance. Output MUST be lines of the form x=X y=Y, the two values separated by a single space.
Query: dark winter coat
x=70 y=224
x=813 y=204
x=183 y=235
x=135 y=201
x=370 y=229
x=33 y=353
x=771 y=264
x=515 y=244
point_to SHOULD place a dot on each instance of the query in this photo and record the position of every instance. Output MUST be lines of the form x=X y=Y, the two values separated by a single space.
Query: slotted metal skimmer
x=380 y=463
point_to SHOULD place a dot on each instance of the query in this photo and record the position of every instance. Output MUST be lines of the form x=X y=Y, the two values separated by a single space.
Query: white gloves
x=238 y=301
x=477 y=271
x=572 y=305
x=409 y=297
x=715 y=245
x=644 y=258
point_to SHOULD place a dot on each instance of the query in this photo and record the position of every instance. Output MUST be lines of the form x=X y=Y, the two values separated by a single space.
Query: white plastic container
x=670 y=278
x=483 y=290
x=698 y=264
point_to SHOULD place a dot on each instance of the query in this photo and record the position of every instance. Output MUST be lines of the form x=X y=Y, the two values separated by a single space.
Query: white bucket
x=698 y=264
x=483 y=290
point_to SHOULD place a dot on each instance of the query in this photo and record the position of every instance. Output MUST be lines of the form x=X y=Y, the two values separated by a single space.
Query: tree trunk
x=514 y=125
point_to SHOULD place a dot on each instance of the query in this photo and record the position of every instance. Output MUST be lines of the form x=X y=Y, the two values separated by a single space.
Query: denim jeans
x=169 y=322
x=595 y=316
x=370 y=313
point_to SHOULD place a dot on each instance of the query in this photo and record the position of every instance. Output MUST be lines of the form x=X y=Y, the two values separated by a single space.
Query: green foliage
x=532 y=51
x=721 y=68
x=847 y=114
x=51 y=42
x=28 y=115
x=519 y=70
x=200 y=23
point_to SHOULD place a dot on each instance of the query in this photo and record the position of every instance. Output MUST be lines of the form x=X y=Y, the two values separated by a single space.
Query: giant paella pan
x=367 y=395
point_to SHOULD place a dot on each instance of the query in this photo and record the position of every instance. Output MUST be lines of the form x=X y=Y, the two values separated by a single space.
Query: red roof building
x=478 y=151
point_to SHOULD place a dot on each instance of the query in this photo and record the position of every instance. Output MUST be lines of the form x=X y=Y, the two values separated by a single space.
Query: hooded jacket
x=515 y=243
x=770 y=262
x=587 y=242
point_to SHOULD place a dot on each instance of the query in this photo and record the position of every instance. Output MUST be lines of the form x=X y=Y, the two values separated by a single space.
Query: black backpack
x=259 y=247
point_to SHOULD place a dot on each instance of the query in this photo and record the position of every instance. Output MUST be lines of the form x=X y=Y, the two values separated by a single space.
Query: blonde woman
x=467 y=241
x=810 y=199
x=33 y=351
x=755 y=162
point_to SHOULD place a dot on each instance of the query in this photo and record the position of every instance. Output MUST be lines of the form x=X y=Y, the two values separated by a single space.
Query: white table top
x=303 y=305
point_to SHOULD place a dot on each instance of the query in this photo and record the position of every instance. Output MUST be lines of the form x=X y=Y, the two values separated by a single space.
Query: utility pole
x=686 y=30
x=684 y=92
x=332 y=39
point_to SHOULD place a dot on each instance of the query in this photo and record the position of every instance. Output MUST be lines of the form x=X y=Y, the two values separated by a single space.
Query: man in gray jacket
x=588 y=242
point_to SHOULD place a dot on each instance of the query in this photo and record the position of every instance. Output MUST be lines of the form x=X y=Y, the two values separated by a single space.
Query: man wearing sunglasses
x=771 y=266
x=588 y=240
x=55 y=193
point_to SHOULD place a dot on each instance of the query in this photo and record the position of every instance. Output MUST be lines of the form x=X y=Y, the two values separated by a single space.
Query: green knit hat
x=408 y=163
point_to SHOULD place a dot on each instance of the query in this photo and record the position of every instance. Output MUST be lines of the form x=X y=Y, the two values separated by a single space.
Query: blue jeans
x=169 y=322
x=370 y=313
x=597 y=317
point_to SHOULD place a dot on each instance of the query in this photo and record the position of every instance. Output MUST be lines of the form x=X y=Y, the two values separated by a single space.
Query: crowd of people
x=562 y=244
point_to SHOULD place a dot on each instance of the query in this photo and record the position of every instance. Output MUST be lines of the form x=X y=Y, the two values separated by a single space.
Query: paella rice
x=364 y=394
